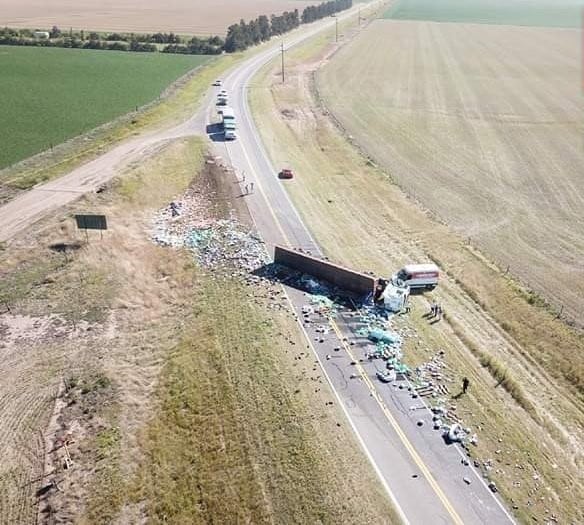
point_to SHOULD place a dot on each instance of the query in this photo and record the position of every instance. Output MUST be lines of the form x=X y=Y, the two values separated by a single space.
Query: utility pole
x=359 y=17
x=336 y=29
x=283 y=75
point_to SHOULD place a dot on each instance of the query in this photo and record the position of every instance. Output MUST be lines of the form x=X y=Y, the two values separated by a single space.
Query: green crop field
x=547 y=13
x=49 y=95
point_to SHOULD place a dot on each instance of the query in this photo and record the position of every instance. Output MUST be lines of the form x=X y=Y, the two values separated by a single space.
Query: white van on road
x=418 y=276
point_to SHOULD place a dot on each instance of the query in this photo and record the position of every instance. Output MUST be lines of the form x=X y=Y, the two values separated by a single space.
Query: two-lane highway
x=423 y=477
x=428 y=482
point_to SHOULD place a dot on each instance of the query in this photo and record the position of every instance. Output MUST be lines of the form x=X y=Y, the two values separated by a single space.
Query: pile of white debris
x=215 y=243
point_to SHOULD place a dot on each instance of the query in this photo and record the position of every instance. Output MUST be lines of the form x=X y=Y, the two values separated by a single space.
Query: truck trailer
x=229 y=123
x=227 y=112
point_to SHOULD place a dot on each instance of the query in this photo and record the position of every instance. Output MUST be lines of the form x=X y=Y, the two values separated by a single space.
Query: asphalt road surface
x=428 y=481
x=420 y=473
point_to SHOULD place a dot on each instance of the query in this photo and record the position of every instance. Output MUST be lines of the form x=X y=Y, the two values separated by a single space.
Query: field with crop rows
x=487 y=139
x=552 y=13
x=200 y=17
x=51 y=95
x=363 y=221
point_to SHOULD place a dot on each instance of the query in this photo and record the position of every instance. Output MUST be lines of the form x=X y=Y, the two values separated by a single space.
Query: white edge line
x=346 y=412
x=393 y=499
x=259 y=144
x=377 y=470
x=252 y=127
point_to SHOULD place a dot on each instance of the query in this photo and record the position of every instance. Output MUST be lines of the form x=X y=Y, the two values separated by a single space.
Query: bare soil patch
x=199 y=17
x=489 y=140
x=83 y=339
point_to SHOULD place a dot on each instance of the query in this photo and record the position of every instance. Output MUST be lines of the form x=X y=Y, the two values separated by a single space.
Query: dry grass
x=266 y=449
x=487 y=140
x=202 y=17
x=185 y=402
x=101 y=311
x=496 y=368
x=361 y=219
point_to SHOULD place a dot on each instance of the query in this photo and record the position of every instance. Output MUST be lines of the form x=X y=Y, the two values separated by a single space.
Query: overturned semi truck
x=393 y=294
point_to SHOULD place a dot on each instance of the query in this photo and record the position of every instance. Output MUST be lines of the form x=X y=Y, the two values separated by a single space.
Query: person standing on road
x=465 y=384
x=251 y=186
x=246 y=189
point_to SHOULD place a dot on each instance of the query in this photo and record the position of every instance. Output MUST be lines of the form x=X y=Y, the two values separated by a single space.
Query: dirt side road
x=23 y=211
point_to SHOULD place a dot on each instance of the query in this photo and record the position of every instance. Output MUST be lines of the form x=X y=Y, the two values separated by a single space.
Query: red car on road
x=286 y=173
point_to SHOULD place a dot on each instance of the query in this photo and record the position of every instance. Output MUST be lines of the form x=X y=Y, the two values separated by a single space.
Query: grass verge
x=360 y=219
x=496 y=368
x=211 y=412
x=235 y=439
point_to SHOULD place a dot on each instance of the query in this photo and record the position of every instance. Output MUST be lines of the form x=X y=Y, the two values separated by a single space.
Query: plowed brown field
x=482 y=125
x=198 y=17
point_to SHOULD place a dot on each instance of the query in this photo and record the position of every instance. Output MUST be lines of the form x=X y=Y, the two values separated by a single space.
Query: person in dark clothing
x=465 y=384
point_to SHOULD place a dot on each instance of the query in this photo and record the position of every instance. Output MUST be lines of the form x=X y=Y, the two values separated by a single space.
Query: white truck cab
x=395 y=298
x=418 y=276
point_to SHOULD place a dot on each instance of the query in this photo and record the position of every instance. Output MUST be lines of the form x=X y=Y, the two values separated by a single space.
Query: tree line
x=243 y=35
x=316 y=12
x=239 y=36
x=75 y=43
x=146 y=43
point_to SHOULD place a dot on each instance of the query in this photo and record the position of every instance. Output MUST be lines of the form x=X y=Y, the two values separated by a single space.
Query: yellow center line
x=272 y=211
x=409 y=447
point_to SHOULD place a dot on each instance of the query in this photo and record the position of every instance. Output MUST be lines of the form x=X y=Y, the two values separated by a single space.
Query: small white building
x=41 y=35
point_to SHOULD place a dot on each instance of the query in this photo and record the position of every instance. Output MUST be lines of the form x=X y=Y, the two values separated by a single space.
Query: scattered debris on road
x=226 y=244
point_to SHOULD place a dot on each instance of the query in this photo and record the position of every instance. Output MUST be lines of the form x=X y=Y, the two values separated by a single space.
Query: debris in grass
x=226 y=244
x=215 y=243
